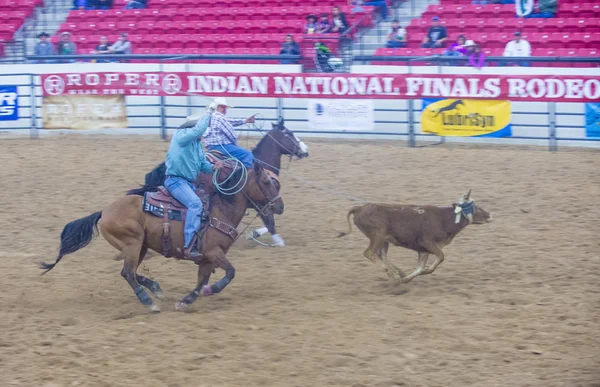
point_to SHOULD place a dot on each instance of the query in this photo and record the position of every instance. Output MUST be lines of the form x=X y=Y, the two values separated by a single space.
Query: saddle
x=161 y=204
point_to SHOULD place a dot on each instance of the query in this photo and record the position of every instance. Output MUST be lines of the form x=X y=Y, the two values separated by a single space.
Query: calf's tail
x=75 y=236
x=351 y=212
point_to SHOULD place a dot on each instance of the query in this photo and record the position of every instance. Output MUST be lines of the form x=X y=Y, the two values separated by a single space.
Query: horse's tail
x=153 y=180
x=75 y=236
x=351 y=212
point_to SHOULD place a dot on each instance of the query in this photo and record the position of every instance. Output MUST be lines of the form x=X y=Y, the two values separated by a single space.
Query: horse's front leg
x=269 y=221
x=218 y=259
x=205 y=269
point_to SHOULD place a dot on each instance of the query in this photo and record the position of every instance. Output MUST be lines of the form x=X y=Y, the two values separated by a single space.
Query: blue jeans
x=183 y=191
x=395 y=44
x=245 y=156
x=134 y=5
x=381 y=4
x=541 y=15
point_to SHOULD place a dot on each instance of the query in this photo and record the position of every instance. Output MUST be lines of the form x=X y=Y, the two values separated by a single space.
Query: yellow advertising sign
x=466 y=118
x=84 y=112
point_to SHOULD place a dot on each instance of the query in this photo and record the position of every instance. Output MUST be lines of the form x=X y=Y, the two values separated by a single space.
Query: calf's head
x=466 y=207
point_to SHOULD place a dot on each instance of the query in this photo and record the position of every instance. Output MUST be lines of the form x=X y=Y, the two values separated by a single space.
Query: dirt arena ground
x=516 y=303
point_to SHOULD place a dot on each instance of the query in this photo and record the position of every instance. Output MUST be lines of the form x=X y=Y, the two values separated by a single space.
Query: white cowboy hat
x=221 y=101
x=469 y=43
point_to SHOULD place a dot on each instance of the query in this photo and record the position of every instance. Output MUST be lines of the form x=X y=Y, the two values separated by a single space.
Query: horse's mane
x=259 y=145
x=153 y=180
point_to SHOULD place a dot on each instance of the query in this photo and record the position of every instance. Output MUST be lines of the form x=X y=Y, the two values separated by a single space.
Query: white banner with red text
x=526 y=88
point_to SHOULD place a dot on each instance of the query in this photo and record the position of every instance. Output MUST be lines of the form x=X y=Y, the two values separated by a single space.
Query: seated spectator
x=397 y=37
x=339 y=23
x=121 y=46
x=517 y=48
x=136 y=4
x=311 y=24
x=43 y=47
x=289 y=47
x=436 y=36
x=356 y=5
x=477 y=57
x=102 y=48
x=457 y=48
x=323 y=26
x=66 y=46
x=101 y=4
x=546 y=9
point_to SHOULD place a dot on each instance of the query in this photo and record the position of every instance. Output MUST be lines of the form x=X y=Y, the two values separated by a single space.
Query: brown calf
x=424 y=229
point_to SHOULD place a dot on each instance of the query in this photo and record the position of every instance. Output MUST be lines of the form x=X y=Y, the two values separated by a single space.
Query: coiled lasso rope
x=241 y=183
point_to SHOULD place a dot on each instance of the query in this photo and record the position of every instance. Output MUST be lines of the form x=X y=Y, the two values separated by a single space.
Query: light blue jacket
x=186 y=157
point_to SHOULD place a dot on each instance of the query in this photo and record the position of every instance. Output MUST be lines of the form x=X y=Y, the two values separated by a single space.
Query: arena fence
x=541 y=122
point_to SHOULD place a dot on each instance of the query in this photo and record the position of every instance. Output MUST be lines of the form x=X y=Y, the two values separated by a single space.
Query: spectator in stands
x=102 y=48
x=518 y=48
x=381 y=4
x=121 y=46
x=66 y=46
x=289 y=47
x=457 y=48
x=311 y=24
x=436 y=36
x=43 y=47
x=477 y=57
x=79 y=4
x=323 y=26
x=338 y=19
x=102 y=4
x=546 y=9
x=136 y=4
x=397 y=37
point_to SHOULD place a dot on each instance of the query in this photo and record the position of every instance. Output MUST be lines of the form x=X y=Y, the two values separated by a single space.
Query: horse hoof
x=159 y=295
x=181 y=306
x=278 y=241
x=154 y=309
x=206 y=291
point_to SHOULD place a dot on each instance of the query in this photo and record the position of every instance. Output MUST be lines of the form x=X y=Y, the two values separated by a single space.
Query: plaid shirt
x=221 y=130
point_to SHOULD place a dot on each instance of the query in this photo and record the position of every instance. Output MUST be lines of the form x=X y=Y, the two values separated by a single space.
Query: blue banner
x=592 y=119
x=9 y=103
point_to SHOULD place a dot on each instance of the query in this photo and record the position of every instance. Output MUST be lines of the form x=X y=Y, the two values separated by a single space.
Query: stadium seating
x=574 y=32
x=202 y=26
x=13 y=14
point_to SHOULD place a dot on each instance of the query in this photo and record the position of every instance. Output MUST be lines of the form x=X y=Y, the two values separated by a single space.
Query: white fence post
x=33 y=131
x=552 y=142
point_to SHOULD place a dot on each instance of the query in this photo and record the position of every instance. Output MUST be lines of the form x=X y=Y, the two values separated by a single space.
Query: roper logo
x=171 y=84
x=54 y=85
x=9 y=103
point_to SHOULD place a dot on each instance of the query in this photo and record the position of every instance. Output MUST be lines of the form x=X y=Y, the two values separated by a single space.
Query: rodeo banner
x=466 y=118
x=81 y=112
x=528 y=88
x=592 y=119
x=339 y=114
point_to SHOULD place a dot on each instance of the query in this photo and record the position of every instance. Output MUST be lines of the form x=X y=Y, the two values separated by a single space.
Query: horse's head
x=287 y=141
x=263 y=190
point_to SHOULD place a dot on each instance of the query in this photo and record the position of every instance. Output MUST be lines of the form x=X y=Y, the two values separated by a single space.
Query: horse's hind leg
x=146 y=282
x=131 y=252
x=205 y=269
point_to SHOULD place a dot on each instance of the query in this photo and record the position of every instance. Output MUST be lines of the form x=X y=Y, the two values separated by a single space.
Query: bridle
x=266 y=209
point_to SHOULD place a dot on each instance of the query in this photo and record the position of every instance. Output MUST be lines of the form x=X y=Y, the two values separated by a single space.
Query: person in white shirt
x=518 y=48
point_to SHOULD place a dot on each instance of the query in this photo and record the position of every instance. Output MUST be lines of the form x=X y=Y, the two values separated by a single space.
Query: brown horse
x=276 y=143
x=132 y=231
